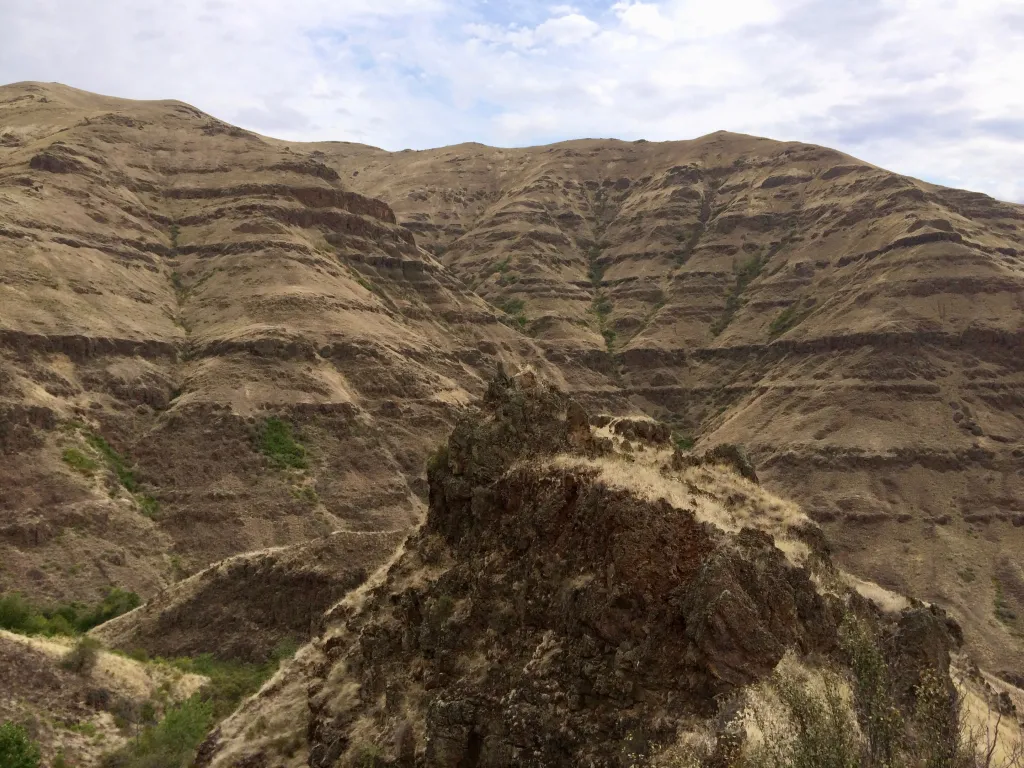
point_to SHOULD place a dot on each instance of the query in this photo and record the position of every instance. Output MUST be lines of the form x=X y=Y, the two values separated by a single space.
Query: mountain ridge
x=170 y=284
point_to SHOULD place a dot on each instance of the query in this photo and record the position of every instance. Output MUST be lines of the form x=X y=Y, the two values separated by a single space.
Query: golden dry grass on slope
x=714 y=494
x=67 y=712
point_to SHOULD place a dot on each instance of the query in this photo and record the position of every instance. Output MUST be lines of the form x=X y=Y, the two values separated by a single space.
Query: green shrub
x=306 y=493
x=230 y=681
x=1003 y=611
x=18 y=615
x=816 y=728
x=683 y=442
x=82 y=658
x=114 y=460
x=170 y=743
x=745 y=275
x=15 y=612
x=882 y=723
x=79 y=462
x=512 y=306
x=500 y=267
x=17 y=750
x=116 y=602
x=148 y=505
x=438 y=459
x=276 y=442
x=790 y=317
x=368 y=285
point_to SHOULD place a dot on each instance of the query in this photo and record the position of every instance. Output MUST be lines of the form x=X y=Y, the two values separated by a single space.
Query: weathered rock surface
x=544 y=616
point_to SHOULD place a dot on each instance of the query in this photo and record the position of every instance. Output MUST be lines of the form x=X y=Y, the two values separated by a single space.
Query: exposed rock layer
x=169 y=281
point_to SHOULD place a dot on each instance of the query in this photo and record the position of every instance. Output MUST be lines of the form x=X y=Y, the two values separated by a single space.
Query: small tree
x=17 y=750
x=83 y=657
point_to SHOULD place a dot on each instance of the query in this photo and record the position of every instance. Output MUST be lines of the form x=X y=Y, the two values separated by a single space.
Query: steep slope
x=208 y=345
x=858 y=331
x=73 y=714
x=244 y=607
x=566 y=604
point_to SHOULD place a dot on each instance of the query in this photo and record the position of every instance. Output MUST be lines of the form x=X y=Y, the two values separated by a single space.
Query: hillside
x=567 y=603
x=209 y=346
x=861 y=333
x=213 y=342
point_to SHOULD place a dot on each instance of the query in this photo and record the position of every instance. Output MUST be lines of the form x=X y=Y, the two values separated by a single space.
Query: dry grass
x=119 y=674
x=273 y=721
x=999 y=737
x=714 y=494
x=887 y=600
x=764 y=711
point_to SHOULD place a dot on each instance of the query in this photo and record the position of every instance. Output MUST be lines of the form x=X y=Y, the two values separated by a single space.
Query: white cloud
x=926 y=87
x=566 y=30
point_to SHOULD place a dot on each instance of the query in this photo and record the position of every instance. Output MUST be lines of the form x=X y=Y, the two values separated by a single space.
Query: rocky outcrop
x=771 y=295
x=544 y=616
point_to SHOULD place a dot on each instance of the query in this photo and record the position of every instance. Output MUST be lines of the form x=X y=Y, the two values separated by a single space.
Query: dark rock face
x=642 y=429
x=727 y=454
x=542 y=618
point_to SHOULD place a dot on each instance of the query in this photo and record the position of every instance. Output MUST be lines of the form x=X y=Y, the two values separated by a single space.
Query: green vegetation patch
x=173 y=741
x=500 y=267
x=789 y=318
x=277 y=443
x=745 y=275
x=19 y=615
x=79 y=462
x=110 y=458
x=595 y=272
x=1003 y=611
x=368 y=285
x=516 y=310
x=148 y=505
x=683 y=442
x=17 y=750
x=602 y=305
x=438 y=459
x=114 y=460
x=513 y=306
x=232 y=681
x=306 y=493
x=82 y=658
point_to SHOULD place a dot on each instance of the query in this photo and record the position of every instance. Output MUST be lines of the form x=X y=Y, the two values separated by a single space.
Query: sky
x=929 y=88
